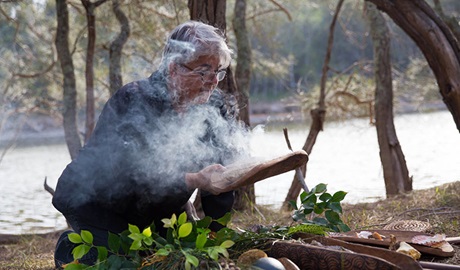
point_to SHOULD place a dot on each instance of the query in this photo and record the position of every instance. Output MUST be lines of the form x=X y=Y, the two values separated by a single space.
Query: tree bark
x=318 y=114
x=395 y=172
x=244 y=60
x=213 y=12
x=435 y=40
x=89 y=72
x=116 y=48
x=69 y=85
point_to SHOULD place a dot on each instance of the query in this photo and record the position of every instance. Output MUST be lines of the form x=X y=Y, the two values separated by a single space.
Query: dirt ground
x=440 y=206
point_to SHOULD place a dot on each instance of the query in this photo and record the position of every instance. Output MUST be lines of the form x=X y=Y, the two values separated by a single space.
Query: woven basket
x=408 y=225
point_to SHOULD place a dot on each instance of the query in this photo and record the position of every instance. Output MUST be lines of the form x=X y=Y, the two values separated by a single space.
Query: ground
x=440 y=206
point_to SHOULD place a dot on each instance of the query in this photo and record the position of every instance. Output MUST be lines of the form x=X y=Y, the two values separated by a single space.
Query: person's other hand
x=208 y=179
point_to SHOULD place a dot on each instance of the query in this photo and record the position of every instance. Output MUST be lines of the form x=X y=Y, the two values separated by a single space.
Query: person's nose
x=211 y=78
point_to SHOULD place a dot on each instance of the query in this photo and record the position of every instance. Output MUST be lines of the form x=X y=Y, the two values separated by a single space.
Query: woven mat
x=408 y=225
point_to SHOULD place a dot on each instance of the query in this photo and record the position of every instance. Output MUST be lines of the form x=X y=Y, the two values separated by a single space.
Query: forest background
x=288 y=45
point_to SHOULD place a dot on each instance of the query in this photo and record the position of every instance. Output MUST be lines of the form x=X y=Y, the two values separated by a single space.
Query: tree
x=244 y=59
x=90 y=8
x=116 y=48
x=395 y=172
x=317 y=114
x=436 y=41
x=69 y=85
x=213 y=13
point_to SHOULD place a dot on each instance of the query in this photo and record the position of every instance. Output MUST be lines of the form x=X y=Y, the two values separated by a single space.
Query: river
x=345 y=157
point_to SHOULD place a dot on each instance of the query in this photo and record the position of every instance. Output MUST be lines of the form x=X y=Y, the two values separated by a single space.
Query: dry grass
x=439 y=206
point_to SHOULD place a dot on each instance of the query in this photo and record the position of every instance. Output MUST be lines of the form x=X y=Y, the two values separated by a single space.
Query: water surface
x=345 y=157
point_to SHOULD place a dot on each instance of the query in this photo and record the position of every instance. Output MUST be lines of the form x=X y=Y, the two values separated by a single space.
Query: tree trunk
x=245 y=196
x=116 y=48
x=213 y=12
x=70 y=91
x=395 y=172
x=89 y=72
x=318 y=114
x=244 y=59
x=435 y=40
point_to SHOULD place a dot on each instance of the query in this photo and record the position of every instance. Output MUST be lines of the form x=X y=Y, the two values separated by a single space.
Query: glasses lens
x=220 y=75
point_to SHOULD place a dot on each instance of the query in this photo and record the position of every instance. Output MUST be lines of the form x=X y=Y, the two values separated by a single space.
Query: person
x=156 y=141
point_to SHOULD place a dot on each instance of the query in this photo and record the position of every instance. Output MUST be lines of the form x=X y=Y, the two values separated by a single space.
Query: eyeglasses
x=207 y=74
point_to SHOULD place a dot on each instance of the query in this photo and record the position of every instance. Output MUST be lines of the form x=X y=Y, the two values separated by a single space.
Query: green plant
x=320 y=208
x=185 y=243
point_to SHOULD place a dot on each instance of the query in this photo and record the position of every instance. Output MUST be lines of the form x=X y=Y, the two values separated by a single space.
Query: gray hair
x=192 y=39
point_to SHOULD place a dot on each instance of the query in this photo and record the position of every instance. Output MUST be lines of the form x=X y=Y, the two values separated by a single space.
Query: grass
x=440 y=206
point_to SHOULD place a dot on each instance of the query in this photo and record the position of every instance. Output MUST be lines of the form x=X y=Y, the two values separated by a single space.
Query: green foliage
x=309 y=228
x=321 y=208
x=186 y=242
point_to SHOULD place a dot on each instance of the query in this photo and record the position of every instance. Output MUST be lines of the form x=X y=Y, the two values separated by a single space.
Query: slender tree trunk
x=89 y=72
x=318 y=114
x=244 y=59
x=395 y=172
x=245 y=196
x=70 y=91
x=116 y=48
x=213 y=12
x=435 y=40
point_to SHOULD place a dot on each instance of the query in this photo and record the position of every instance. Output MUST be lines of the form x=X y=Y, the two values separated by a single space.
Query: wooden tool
x=243 y=174
x=405 y=236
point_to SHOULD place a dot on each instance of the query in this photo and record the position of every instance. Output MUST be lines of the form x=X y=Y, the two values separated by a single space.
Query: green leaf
x=147 y=232
x=102 y=253
x=75 y=266
x=320 y=221
x=320 y=207
x=187 y=265
x=114 y=242
x=325 y=197
x=225 y=219
x=87 y=236
x=343 y=227
x=293 y=204
x=338 y=196
x=79 y=251
x=320 y=188
x=227 y=244
x=173 y=219
x=191 y=259
x=182 y=218
x=136 y=245
x=336 y=207
x=332 y=217
x=133 y=228
x=162 y=252
x=148 y=241
x=204 y=223
x=74 y=238
x=307 y=211
x=136 y=236
x=222 y=251
x=185 y=229
x=201 y=240
x=213 y=253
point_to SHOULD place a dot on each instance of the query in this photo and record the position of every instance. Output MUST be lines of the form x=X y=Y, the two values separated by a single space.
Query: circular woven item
x=408 y=225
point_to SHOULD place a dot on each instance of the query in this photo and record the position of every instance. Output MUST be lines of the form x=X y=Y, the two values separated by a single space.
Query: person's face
x=194 y=82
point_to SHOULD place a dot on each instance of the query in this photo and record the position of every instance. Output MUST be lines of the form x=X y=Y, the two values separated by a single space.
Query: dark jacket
x=132 y=170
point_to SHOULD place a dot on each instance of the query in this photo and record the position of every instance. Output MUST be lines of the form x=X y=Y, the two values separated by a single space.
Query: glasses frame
x=219 y=74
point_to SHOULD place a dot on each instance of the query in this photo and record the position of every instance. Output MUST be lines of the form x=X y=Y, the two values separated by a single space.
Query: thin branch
x=282 y=9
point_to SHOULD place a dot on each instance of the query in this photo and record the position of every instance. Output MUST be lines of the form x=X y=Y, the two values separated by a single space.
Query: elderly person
x=156 y=141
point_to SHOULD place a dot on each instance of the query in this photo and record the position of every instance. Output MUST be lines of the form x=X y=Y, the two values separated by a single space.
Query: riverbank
x=440 y=206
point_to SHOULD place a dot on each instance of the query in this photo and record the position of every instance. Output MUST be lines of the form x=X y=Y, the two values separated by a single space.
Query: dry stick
x=298 y=172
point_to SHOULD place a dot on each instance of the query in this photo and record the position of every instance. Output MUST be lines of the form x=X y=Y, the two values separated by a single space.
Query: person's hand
x=207 y=179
